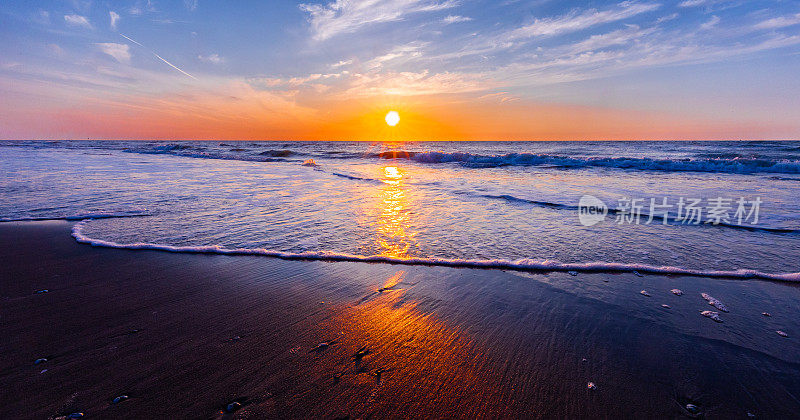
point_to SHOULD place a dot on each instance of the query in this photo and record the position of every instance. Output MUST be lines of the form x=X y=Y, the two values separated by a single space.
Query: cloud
x=114 y=18
x=710 y=24
x=691 y=3
x=410 y=50
x=77 y=20
x=190 y=4
x=347 y=16
x=43 y=17
x=455 y=19
x=614 y=38
x=575 y=21
x=341 y=63
x=779 y=22
x=120 y=52
x=667 y=18
x=211 y=58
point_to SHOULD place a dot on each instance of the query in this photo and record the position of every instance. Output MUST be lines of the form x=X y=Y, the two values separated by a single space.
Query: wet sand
x=185 y=335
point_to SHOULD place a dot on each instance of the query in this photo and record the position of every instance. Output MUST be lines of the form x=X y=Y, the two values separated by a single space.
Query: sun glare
x=392 y=118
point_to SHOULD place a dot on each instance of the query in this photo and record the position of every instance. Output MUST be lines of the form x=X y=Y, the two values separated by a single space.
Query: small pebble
x=591 y=385
x=321 y=346
x=665 y=306
x=781 y=333
x=236 y=338
x=572 y=273
x=766 y=314
x=638 y=274
x=711 y=314
x=644 y=293
x=692 y=408
x=751 y=415
x=233 y=406
x=75 y=416
x=322 y=302
x=39 y=361
x=43 y=371
x=584 y=360
x=38 y=292
x=677 y=292
x=119 y=399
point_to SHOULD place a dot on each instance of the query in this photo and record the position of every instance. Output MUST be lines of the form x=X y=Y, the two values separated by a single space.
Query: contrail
x=159 y=57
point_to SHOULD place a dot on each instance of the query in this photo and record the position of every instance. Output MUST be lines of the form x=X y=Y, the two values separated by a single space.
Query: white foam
x=518 y=265
x=79 y=216
x=711 y=314
x=714 y=302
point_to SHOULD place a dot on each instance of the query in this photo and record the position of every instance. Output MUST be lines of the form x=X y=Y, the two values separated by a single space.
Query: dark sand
x=442 y=342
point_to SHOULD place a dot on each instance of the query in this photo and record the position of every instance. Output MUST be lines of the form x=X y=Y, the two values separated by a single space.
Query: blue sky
x=705 y=63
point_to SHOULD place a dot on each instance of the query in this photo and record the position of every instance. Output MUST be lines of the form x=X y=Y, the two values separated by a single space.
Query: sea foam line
x=82 y=216
x=518 y=265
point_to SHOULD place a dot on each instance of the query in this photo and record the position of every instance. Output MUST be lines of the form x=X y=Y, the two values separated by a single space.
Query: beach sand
x=185 y=335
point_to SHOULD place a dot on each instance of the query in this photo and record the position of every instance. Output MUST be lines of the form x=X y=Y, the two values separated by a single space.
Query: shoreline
x=184 y=335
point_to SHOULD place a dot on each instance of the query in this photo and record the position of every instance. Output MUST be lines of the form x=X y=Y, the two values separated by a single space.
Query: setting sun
x=392 y=118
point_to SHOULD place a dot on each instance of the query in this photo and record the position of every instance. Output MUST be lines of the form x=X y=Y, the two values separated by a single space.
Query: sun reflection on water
x=395 y=236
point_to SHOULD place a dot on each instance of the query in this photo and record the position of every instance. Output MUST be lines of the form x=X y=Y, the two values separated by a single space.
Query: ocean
x=713 y=209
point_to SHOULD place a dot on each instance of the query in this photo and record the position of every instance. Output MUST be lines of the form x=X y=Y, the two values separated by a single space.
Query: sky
x=452 y=69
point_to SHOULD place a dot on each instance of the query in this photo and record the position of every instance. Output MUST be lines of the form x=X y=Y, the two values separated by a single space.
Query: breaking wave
x=518 y=265
x=739 y=165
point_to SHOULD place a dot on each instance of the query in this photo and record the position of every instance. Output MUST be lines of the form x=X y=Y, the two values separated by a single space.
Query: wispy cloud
x=576 y=21
x=341 y=63
x=455 y=19
x=779 y=22
x=347 y=16
x=710 y=23
x=114 y=19
x=120 y=52
x=77 y=20
x=211 y=58
x=692 y=3
x=190 y=4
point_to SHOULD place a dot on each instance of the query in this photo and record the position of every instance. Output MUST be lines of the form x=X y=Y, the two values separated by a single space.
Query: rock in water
x=711 y=314
x=39 y=292
x=119 y=399
x=638 y=274
x=714 y=302
x=644 y=293
x=665 y=306
x=676 y=292
x=782 y=334
x=766 y=314
x=39 y=361
x=75 y=416
x=572 y=273
x=233 y=406
x=692 y=409
x=591 y=385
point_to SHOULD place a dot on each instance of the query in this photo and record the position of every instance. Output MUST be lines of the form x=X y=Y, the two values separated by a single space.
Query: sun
x=392 y=118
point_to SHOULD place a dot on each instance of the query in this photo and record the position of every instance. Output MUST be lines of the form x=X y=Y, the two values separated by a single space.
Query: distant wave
x=192 y=151
x=518 y=265
x=80 y=216
x=613 y=211
x=738 y=165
